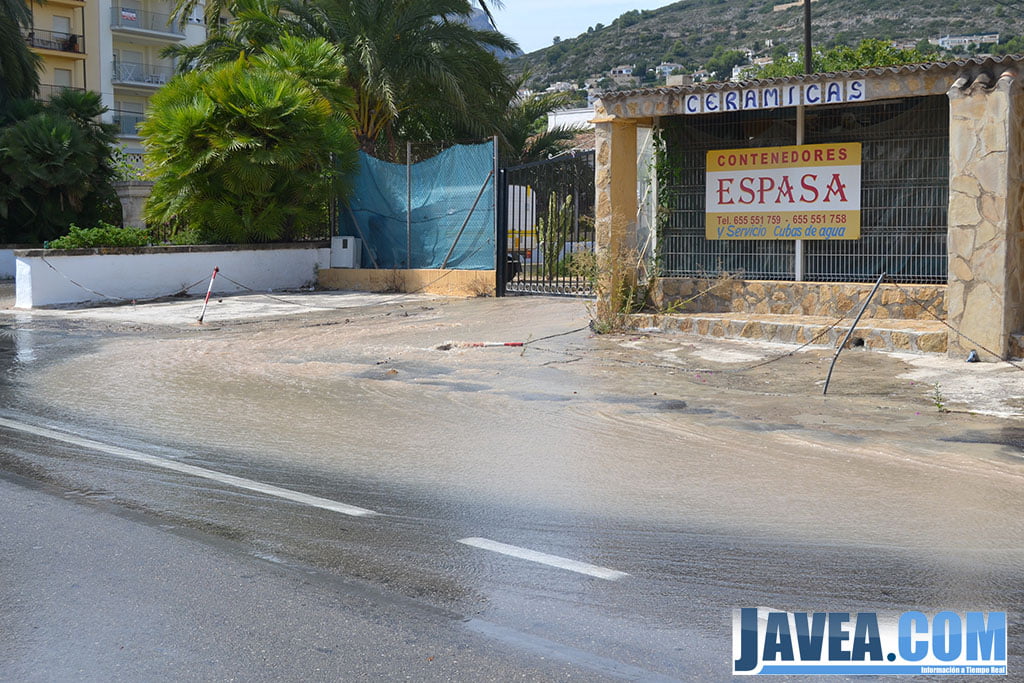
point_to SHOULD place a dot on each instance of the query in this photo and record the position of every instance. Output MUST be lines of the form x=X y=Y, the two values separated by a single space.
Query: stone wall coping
x=170 y=249
x=806 y=283
x=132 y=183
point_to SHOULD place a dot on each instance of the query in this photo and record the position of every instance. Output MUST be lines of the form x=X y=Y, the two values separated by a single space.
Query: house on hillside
x=950 y=42
x=665 y=69
x=623 y=75
x=561 y=86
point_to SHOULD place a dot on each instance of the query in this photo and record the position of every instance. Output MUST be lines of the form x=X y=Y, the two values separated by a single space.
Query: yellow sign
x=809 y=192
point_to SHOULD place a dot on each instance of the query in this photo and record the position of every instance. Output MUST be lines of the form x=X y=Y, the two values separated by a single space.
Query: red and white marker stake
x=216 y=269
x=474 y=345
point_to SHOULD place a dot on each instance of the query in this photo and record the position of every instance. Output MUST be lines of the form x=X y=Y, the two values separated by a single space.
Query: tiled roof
x=978 y=63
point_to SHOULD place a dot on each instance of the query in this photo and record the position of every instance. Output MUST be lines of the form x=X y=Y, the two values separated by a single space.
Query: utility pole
x=798 y=246
x=808 y=67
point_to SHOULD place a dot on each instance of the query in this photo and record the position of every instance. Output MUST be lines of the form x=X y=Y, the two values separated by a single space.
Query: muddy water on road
x=628 y=427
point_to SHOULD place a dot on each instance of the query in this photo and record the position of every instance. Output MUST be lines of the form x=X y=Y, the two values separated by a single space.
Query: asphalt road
x=334 y=497
x=92 y=591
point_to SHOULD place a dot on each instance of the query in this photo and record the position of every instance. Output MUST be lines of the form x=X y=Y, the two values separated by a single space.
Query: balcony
x=59 y=42
x=127 y=123
x=141 y=22
x=140 y=75
x=47 y=91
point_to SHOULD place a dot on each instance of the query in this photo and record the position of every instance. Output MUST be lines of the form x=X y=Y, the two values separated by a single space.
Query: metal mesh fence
x=905 y=190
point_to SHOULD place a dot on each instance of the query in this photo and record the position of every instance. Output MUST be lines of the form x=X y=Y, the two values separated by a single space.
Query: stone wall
x=985 y=204
x=693 y=295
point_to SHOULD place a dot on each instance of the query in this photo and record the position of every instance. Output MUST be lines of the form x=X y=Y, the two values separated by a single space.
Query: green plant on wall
x=667 y=176
x=553 y=232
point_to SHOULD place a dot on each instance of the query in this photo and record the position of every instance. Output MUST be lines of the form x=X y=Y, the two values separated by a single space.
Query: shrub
x=249 y=150
x=55 y=166
x=103 y=235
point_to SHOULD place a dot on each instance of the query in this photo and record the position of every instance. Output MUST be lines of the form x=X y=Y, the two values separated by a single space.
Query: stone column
x=615 y=210
x=133 y=195
x=986 y=204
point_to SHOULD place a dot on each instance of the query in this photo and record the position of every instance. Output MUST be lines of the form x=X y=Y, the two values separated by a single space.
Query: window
x=130 y=107
x=62 y=78
x=61 y=27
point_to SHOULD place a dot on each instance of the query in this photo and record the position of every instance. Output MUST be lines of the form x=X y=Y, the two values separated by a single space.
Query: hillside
x=688 y=32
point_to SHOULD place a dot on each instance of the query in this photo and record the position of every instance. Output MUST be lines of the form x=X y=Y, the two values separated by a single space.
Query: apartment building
x=112 y=47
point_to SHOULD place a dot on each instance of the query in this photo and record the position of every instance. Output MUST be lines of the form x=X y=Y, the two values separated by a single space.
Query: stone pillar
x=986 y=204
x=615 y=210
x=133 y=195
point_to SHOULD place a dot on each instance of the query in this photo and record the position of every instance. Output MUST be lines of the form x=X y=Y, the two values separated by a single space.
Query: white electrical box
x=346 y=252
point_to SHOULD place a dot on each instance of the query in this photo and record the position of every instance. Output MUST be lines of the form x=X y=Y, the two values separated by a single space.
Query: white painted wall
x=582 y=118
x=158 y=273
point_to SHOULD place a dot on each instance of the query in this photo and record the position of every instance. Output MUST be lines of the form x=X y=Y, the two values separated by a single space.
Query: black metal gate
x=546 y=227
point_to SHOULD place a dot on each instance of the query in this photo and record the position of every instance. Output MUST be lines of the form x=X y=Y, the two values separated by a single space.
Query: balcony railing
x=141 y=20
x=127 y=122
x=47 y=91
x=55 y=40
x=141 y=74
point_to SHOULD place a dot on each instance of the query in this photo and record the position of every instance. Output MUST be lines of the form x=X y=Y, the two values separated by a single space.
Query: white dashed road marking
x=544 y=558
x=230 y=480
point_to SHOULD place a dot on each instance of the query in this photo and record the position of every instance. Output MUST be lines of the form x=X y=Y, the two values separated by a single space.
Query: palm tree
x=213 y=9
x=249 y=151
x=524 y=134
x=55 y=167
x=486 y=7
x=414 y=66
x=255 y=24
x=19 y=66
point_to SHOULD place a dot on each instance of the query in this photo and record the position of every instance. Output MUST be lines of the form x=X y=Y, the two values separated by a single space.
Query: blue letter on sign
x=912 y=623
x=946 y=649
x=777 y=639
x=989 y=642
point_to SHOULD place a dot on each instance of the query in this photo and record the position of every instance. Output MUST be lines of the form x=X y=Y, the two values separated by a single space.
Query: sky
x=533 y=23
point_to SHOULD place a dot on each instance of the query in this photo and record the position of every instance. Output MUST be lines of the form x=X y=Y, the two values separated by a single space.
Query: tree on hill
x=1012 y=46
x=868 y=53
x=723 y=61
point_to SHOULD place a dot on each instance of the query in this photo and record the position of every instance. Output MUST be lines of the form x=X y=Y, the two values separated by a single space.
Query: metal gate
x=546 y=227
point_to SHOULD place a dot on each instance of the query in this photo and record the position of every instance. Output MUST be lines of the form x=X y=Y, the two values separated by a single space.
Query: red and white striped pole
x=474 y=345
x=216 y=269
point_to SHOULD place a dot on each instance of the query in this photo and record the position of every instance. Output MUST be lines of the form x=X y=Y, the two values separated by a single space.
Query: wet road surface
x=689 y=491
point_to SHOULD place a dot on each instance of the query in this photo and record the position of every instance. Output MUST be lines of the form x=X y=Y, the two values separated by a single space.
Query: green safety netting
x=439 y=200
